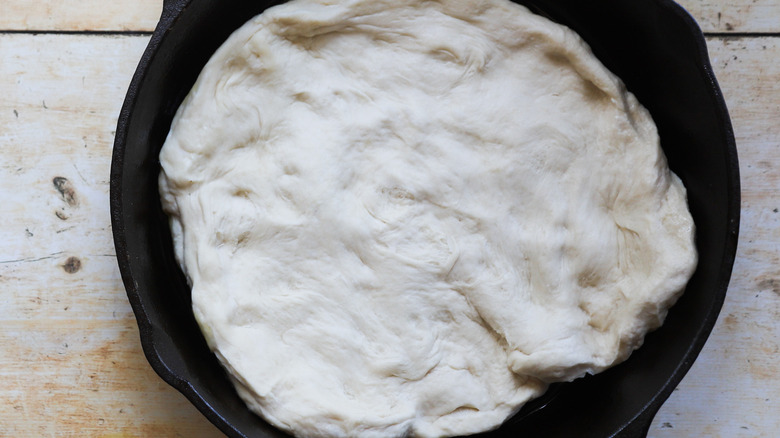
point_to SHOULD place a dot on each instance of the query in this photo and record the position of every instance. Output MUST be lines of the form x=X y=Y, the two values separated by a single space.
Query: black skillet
x=653 y=45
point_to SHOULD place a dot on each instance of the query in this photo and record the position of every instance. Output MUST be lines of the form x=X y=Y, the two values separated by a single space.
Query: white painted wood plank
x=142 y=15
x=71 y=362
x=136 y=15
x=733 y=389
x=735 y=15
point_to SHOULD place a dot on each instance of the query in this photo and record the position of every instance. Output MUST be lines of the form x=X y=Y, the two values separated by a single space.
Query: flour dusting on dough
x=409 y=217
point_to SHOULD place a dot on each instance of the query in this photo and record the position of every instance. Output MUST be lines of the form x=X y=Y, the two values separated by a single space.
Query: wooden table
x=70 y=358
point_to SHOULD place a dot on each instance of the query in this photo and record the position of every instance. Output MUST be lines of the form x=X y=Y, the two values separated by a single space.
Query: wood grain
x=735 y=15
x=78 y=15
x=71 y=362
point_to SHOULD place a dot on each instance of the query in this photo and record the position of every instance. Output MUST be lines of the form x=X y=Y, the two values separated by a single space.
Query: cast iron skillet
x=653 y=45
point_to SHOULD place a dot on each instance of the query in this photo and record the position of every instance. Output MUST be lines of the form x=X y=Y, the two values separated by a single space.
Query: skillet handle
x=173 y=4
x=171 y=8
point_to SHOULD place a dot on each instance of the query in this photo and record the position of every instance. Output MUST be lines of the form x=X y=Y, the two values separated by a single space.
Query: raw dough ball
x=408 y=217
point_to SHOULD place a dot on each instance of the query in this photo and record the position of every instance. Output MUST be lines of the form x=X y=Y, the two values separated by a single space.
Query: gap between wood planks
x=741 y=34
x=148 y=33
x=77 y=32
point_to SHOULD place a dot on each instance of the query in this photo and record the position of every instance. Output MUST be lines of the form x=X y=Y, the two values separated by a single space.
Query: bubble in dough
x=409 y=217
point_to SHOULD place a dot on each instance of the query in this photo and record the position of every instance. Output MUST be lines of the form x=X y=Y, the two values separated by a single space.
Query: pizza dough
x=409 y=217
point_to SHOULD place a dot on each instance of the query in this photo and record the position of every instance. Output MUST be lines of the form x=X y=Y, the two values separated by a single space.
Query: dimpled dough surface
x=407 y=218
